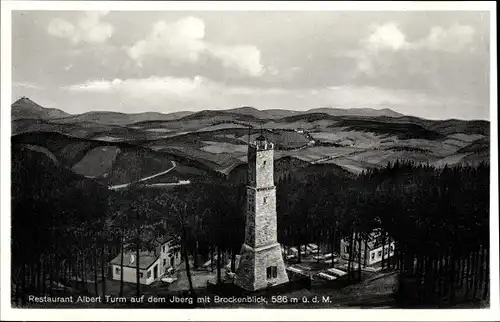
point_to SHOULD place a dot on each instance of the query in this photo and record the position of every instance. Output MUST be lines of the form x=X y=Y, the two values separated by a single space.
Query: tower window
x=264 y=163
x=265 y=200
x=272 y=272
x=251 y=201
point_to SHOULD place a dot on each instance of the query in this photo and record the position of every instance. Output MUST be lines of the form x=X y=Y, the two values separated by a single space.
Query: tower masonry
x=261 y=262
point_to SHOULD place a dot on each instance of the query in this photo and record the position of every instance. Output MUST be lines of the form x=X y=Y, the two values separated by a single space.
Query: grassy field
x=282 y=139
x=355 y=138
x=214 y=161
x=318 y=153
x=97 y=162
x=480 y=145
x=222 y=147
x=158 y=130
x=451 y=160
x=476 y=158
x=222 y=126
x=218 y=140
x=133 y=164
x=313 y=125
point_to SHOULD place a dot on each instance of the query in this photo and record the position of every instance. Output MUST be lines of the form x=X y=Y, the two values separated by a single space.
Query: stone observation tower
x=261 y=262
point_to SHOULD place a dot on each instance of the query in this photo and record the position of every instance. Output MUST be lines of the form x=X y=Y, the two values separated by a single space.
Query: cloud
x=203 y=93
x=457 y=38
x=382 y=40
x=61 y=28
x=177 y=88
x=89 y=28
x=245 y=59
x=387 y=45
x=387 y=36
x=150 y=91
x=183 y=41
x=200 y=87
x=26 y=85
x=282 y=74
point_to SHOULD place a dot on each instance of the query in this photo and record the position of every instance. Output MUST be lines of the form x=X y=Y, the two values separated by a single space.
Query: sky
x=428 y=64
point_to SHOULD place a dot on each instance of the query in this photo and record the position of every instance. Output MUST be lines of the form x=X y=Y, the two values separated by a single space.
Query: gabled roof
x=146 y=259
x=164 y=239
x=376 y=239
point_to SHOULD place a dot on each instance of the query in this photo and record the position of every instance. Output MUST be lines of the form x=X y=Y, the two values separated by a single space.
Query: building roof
x=261 y=138
x=164 y=239
x=146 y=259
x=376 y=240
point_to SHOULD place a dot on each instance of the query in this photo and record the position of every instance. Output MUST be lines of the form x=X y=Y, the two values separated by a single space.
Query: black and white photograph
x=207 y=157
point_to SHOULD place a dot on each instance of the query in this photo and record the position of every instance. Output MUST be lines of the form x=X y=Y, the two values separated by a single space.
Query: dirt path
x=125 y=185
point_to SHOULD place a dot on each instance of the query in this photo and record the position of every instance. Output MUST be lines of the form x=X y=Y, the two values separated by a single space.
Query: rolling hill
x=250 y=111
x=25 y=108
x=214 y=142
x=108 y=163
x=115 y=118
x=480 y=145
x=355 y=112
x=281 y=113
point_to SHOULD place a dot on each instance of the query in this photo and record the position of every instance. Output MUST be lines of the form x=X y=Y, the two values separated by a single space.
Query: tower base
x=260 y=268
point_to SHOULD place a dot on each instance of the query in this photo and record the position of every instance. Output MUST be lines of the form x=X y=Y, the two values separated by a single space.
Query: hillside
x=290 y=166
x=108 y=163
x=250 y=111
x=281 y=113
x=215 y=142
x=25 y=108
x=115 y=118
x=86 y=130
x=400 y=130
x=355 y=112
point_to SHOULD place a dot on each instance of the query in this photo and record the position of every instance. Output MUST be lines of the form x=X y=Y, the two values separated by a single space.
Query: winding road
x=180 y=182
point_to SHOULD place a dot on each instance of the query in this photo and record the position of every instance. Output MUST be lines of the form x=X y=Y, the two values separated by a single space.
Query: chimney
x=132 y=258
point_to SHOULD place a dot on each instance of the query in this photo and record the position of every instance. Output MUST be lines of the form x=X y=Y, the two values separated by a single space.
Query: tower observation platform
x=261 y=262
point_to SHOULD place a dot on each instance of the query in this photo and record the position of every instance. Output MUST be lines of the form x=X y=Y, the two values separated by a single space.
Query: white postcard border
x=8 y=313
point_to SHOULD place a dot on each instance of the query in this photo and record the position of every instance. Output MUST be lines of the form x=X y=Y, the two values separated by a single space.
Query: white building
x=152 y=265
x=373 y=248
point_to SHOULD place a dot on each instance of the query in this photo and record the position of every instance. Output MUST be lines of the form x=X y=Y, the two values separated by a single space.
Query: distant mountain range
x=115 y=147
x=25 y=108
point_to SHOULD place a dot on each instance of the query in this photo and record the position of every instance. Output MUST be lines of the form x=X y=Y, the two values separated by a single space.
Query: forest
x=66 y=227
